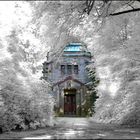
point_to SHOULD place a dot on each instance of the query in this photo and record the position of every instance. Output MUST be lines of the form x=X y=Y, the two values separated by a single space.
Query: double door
x=70 y=104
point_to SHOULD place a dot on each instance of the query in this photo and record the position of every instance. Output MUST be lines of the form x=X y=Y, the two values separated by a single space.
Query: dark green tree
x=94 y=81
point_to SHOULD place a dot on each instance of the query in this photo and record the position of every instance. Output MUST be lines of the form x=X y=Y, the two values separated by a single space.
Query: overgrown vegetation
x=30 y=29
x=25 y=101
x=92 y=97
x=21 y=112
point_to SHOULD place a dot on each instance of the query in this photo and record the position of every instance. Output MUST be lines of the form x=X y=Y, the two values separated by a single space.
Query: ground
x=77 y=128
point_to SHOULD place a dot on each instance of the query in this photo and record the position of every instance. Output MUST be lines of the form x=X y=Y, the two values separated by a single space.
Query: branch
x=97 y=12
x=131 y=6
x=106 y=8
x=124 y=12
x=90 y=6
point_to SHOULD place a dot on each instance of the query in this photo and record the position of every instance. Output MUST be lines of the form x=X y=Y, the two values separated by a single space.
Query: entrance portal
x=70 y=101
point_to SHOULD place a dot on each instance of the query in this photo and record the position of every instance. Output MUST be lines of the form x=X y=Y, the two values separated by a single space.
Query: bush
x=20 y=112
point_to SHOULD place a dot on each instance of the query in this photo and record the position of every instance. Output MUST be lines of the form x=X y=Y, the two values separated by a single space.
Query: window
x=75 y=69
x=45 y=69
x=69 y=69
x=62 y=69
x=86 y=62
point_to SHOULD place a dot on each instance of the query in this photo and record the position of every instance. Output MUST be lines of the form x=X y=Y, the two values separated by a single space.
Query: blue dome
x=73 y=47
x=76 y=49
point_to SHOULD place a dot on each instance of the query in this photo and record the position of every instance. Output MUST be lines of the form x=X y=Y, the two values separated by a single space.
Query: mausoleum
x=69 y=77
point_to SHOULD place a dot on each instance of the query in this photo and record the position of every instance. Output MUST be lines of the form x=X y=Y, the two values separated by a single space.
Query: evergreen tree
x=92 y=90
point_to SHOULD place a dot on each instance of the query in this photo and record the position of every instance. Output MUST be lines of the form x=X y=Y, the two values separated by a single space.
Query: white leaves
x=122 y=81
x=114 y=87
x=13 y=14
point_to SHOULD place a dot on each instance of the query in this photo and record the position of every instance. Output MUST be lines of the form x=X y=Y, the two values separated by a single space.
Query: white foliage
x=117 y=64
x=21 y=59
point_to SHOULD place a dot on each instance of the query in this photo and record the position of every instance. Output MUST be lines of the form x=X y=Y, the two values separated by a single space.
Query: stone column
x=62 y=99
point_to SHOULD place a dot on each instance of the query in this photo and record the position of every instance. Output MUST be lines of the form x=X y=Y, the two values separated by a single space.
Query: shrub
x=21 y=112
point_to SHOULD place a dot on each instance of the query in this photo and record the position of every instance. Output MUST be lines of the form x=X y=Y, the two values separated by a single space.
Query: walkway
x=78 y=128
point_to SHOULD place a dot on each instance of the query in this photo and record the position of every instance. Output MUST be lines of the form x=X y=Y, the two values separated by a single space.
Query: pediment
x=69 y=80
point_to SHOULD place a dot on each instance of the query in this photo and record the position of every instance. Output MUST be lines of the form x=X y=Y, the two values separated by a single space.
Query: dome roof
x=75 y=47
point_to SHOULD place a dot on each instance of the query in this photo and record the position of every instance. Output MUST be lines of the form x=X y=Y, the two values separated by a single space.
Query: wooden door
x=70 y=104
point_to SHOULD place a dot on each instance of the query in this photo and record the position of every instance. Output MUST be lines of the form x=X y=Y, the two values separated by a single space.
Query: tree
x=92 y=88
x=111 y=8
x=116 y=56
x=20 y=62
